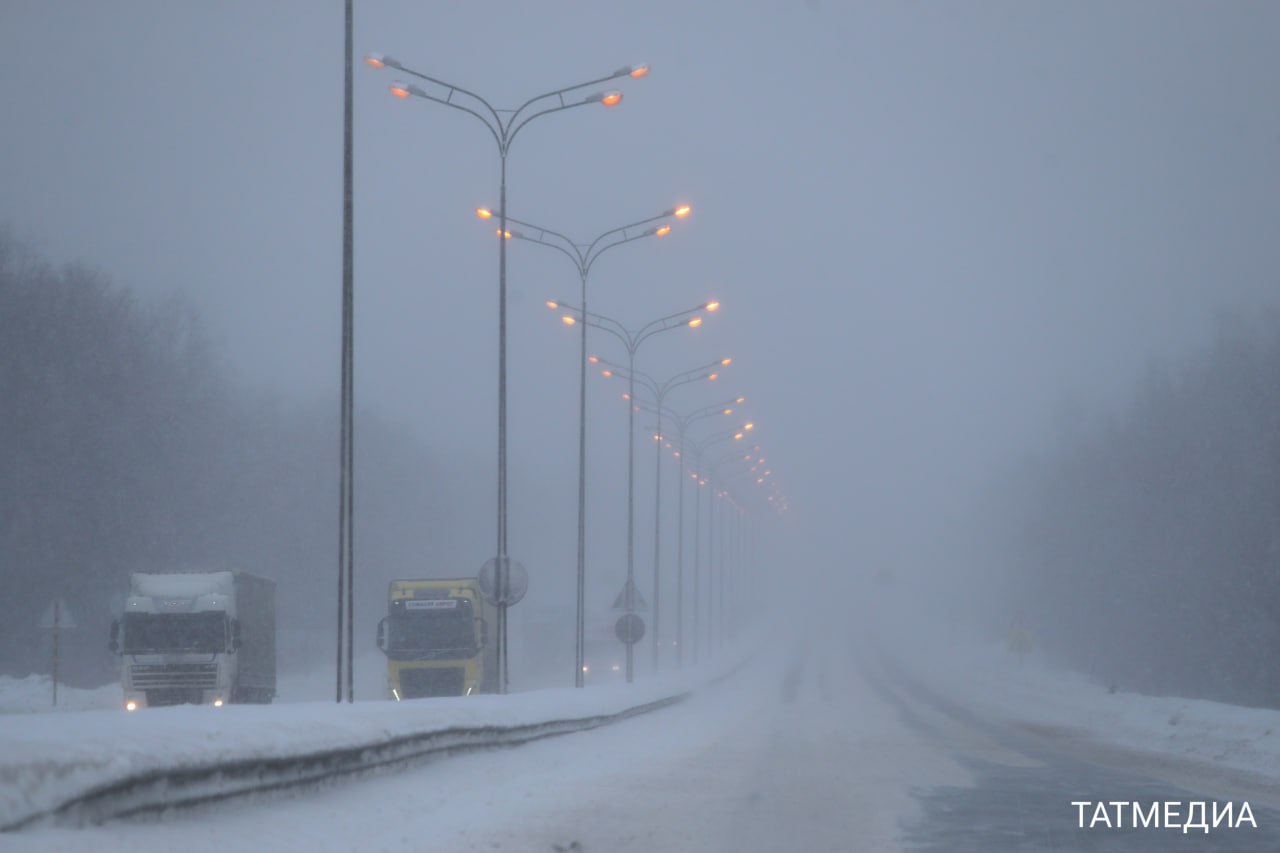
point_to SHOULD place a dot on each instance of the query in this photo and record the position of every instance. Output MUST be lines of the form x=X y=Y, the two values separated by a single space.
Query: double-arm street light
x=631 y=340
x=734 y=576
x=682 y=424
x=584 y=256
x=731 y=551
x=658 y=391
x=503 y=125
x=756 y=467
x=706 y=476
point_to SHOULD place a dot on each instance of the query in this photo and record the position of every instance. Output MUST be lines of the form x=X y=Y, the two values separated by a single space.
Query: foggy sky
x=932 y=225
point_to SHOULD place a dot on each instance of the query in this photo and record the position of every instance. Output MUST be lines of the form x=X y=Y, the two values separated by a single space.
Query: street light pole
x=697 y=560
x=632 y=340
x=504 y=132
x=715 y=554
x=659 y=391
x=583 y=259
x=731 y=554
x=682 y=424
x=346 y=463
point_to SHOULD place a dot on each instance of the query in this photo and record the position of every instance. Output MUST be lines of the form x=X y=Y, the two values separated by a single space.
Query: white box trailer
x=197 y=638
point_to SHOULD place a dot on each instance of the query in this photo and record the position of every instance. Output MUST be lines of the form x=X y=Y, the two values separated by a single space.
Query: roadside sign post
x=56 y=618
x=503 y=585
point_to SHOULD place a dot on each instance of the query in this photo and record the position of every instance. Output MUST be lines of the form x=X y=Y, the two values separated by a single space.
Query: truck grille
x=431 y=681
x=189 y=676
x=173 y=696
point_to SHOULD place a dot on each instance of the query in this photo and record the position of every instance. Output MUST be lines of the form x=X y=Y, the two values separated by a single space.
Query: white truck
x=197 y=638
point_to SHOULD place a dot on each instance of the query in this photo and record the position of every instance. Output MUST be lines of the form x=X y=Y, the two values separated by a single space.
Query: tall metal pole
x=657 y=534
x=583 y=261
x=346 y=464
x=580 y=638
x=711 y=565
x=697 y=563
x=755 y=568
x=500 y=567
x=733 y=578
x=680 y=563
x=721 y=571
x=631 y=499
x=504 y=133
x=730 y=569
x=632 y=342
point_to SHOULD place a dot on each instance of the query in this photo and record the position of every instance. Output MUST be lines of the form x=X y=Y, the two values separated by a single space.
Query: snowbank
x=34 y=695
x=45 y=759
x=991 y=680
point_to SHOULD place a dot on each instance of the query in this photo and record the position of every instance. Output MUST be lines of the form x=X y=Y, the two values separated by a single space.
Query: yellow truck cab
x=438 y=636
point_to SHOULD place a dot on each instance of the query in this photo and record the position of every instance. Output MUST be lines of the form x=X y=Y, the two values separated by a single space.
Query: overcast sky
x=932 y=224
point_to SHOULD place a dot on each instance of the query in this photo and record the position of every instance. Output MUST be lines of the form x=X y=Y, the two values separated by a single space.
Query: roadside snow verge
x=989 y=679
x=48 y=763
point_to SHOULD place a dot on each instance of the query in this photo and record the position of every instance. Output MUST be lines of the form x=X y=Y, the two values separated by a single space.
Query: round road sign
x=629 y=628
x=517 y=582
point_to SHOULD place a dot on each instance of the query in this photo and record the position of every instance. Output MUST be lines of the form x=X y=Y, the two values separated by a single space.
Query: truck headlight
x=131 y=705
x=217 y=703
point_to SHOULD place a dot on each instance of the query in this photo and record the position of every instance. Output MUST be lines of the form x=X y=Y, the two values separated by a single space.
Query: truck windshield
x=175 y=632
x=424 y=627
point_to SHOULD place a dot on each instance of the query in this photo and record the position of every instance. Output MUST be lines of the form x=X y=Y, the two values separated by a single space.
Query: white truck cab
x=196 y=638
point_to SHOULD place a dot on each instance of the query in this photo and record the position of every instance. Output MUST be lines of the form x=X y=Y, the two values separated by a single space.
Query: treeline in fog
x=1149 y=550
x=125 y=446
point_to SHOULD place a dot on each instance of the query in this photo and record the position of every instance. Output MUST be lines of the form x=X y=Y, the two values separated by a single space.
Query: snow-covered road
x=788 y=753
x=835 y=749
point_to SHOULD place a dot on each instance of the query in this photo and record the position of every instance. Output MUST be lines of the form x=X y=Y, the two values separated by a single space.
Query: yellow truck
x=439 y=639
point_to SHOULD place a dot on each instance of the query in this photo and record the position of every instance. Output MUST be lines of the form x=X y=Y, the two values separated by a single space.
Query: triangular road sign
x=620 y=603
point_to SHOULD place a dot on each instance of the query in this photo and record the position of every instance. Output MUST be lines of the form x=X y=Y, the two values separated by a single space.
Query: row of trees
x=125 y=446
x=1148 y=551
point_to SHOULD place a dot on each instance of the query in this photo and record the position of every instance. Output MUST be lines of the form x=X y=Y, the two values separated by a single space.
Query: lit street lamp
x=703 y=477
x=682 y=424
x=659 y=390
x=632 y=340
x=503 y=125
x=732 y=576
x=584 y=257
